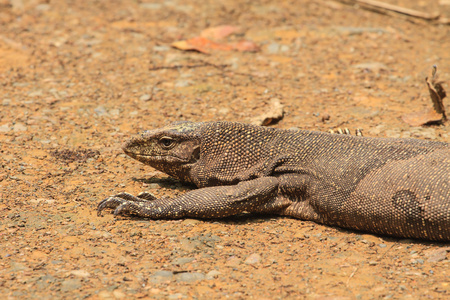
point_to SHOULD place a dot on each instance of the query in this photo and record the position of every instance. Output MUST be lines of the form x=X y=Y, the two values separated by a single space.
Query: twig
x=380 y=6
x=385 y=252
x=351 y=275
x=399 y=9
x=204 y=64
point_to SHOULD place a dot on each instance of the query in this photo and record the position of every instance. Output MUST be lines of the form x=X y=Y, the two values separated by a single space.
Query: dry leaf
x=200 y=44
x=431 y=115
x=422 y=117
x=219 y=32
x=207 y=41
x=437 y=93
x=273 y=114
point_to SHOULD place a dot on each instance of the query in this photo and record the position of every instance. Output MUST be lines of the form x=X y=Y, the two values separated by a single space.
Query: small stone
x=183 y=260
x=100 y=111
x=119 y=294
x=145 y=97
x=18 y=127
x=70 y=285
x=161 y=48
x=233 y=261
x=176 y=296
x=190 y=222
x=114 y=112
x=151 y=6
x=189 y=277
x=375 y=67
x=80 y=273
x=5 y=128
x=104 y=295
x=43 y=7
x=358 y=30
x=437 y=255
x=43 y=200
x=161 y=276
x=382 y=245
x=273 y=48
x=15 y=266
x=152 y=185
x=373 y=263
x=253 y=259
x=213 y=274
x=37 y=93
x=182 y=83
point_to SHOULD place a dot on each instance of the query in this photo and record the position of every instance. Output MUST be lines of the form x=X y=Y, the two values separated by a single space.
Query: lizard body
x=398 y=187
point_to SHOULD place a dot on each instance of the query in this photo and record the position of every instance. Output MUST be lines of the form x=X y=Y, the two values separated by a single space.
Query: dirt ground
x=77 y=78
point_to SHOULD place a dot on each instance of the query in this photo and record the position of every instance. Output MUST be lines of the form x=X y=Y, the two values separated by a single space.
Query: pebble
x=437 y=255
x=18 y=127
x=253 y=258
x=213 y=274
x=15 y=266
x=151 y=6
x=273 y=48
x=5 y=128
x=161 y=48
x=100 y=111
x=80 y=273
x=358 y=30
x=190 y=222
x=45 y=281
x=189 y=277
x=145 y=97
x=161 y=276
x=177 y=296
x=375 y=67
x=182 y=260
x=114 y=112
x=183 y=83
x=70 y=285
x=427 y=133
x=43 y=7
x=152 y=185
x=38 y=200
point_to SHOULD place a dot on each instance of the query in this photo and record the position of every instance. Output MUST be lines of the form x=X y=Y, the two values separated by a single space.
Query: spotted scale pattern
x=398 y=187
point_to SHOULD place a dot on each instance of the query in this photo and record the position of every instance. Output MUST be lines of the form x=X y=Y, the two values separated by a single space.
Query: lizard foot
x=118 y=200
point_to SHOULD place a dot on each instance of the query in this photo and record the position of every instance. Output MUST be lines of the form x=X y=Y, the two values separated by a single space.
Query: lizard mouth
x=157 y=158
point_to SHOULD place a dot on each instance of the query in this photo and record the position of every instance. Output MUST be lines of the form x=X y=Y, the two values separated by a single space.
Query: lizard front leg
x=116 y=200
x=211 y=202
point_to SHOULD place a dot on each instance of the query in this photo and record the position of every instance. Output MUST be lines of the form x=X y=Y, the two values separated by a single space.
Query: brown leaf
x=422 y=117
x=200 y=44
x=437 y=93
x=431 y=115
x=219 y=32
x=274 y=113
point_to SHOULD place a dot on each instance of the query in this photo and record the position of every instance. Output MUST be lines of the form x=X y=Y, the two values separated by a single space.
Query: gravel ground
x=79 y=77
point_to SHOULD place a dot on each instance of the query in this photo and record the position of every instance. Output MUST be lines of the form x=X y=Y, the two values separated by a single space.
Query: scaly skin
x=398 y=187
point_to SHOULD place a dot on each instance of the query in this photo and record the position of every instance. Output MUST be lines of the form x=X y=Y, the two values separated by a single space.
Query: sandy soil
x=79 y=77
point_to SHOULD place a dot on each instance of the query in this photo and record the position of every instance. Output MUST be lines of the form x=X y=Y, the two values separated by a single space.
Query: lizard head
x=172 y=149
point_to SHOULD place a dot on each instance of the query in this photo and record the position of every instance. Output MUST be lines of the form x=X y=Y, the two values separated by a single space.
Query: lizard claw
x=118 y=200
x=110 y=202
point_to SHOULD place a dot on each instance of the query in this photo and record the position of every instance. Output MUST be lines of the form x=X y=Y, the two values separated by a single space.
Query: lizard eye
x=166 y=142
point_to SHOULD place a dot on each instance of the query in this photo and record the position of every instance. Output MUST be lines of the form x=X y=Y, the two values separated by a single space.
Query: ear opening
x=195 y=154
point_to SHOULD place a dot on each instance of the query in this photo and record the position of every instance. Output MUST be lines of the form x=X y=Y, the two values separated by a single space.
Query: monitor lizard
x=387 y=186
